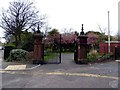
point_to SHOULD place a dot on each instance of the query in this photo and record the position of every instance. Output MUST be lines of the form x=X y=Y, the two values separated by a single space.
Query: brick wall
x=104 y=47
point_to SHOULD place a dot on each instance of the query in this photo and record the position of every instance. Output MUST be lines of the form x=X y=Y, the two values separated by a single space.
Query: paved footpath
x=64 y=75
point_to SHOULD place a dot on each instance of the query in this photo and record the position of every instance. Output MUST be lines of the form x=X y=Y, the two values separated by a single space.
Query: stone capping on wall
x=113 y=41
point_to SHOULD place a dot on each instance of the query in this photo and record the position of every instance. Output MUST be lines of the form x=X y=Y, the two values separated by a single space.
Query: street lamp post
x=108 y=33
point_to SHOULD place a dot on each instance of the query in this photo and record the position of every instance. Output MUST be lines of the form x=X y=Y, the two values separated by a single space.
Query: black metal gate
x=76 y=52
x=117 y=53
x=52 y=50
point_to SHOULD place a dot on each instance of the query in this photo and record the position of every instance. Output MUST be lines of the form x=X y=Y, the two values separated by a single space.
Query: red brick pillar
x=82 y=47
x=38 y=48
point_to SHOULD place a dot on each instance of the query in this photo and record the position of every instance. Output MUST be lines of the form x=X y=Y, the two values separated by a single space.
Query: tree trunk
x=16 y=41
x=19 y=38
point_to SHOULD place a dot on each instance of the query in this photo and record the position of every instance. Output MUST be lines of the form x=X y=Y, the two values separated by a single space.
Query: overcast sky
x=72 y=13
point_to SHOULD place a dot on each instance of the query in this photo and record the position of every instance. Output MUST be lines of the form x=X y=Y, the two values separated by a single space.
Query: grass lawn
x=67 y=52
x=50 y=55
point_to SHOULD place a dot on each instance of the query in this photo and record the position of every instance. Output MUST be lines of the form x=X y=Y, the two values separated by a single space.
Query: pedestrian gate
x=52 y=50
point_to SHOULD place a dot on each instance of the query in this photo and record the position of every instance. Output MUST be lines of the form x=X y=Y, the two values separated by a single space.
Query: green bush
x=93 y=56
x=27 y=41
x=29 y=56
x=10 y=44
x=17 y=55
x=90 y=58
x=107 y=56
x=28 y=45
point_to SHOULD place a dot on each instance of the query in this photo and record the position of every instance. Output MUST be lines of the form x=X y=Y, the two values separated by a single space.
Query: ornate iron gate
x=52 y=50
x=76 y=52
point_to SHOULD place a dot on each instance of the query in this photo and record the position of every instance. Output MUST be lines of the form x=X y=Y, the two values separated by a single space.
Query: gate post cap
x=82 y=32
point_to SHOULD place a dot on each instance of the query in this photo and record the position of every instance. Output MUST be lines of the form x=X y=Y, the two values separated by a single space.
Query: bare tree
x=67 y=31
x=20 y=16
x=102 y=30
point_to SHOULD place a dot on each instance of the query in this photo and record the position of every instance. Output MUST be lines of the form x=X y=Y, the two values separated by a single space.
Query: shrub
x=7 y=50
x=17 y=55
x=90 y=57
x=10 y=44
x=28 y=45
x=29 y=56
x=107 y=56
x=93 y=55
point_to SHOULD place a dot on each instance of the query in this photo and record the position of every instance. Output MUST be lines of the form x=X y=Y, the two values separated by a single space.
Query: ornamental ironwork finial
x=82 y=32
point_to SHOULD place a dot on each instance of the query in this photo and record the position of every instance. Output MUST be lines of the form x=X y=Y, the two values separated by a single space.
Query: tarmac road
x=64 y=75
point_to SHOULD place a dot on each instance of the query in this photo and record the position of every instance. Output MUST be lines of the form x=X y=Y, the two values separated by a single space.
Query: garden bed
x=95 y=57
x=104 y=58
x=102 y=61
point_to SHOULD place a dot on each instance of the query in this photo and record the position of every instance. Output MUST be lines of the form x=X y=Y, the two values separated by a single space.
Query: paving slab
x=15 y=67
